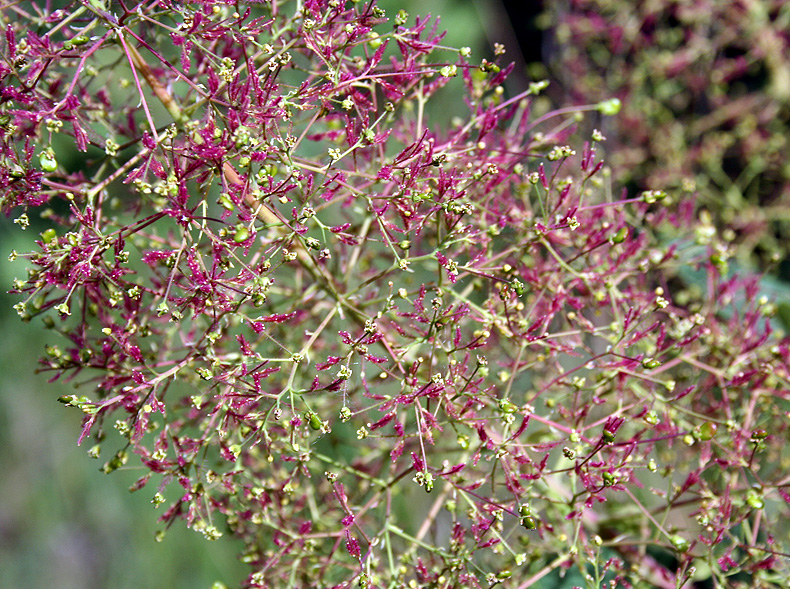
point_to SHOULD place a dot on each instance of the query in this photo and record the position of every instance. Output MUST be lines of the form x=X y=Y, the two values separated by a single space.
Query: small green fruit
x=529 y=522
x=706 y=431
x=620 y=236
x=47 y=160
x=609 y=107
x=241 y=235
x=314 y=421
x=680 y=543
x=49 y=235
x=754 y=500
x=506 y=406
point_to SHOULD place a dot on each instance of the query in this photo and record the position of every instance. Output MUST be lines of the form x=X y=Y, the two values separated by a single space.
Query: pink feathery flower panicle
x=312 y=263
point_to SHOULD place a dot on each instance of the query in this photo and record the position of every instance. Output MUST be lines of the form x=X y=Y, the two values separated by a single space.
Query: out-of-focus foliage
x=705 y=88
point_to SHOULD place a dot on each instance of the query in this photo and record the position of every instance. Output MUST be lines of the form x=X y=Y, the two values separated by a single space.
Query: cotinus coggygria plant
x=383 y=349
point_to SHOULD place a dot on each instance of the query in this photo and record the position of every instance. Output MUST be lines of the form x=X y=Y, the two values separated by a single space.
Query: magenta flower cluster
x=379 y=350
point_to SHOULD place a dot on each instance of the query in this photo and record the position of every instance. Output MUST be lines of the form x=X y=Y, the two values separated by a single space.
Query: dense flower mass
x=384 y=352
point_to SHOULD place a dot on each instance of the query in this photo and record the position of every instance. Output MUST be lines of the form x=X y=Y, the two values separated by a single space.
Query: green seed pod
x=754 y=500
x=719 y=260
x=608 y=479
x=608 y=436
x=47 y=160
x=609 y=107
x=226 y=203
x=653 y=196
x=620 y=236
x=77 y=41
x=312 y=418
x=115 y=462
x=242 y=234
x=49 y=235
x=529 y=522
x=374 y=40
x=706 y=431
x=680 y=543
x=651 y=363
x=506 y=406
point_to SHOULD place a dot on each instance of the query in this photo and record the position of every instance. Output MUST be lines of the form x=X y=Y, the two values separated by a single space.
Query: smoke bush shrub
x=380 y=351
